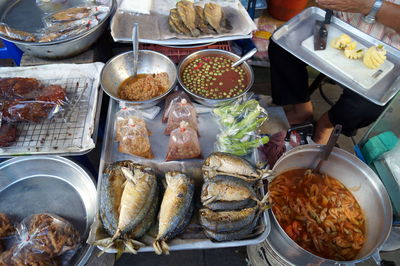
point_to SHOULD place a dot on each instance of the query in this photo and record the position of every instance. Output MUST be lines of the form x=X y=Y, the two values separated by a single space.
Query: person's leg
x=289 y=83
x=351 y=111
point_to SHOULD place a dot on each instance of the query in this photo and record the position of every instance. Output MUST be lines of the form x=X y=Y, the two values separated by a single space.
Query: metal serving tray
x=72 y=131
x=208 y=129
x=51 y=184
x=291 y=35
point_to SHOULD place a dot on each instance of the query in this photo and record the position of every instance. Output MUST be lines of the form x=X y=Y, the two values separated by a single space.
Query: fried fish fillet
x=215 y=17
x=187 y=14
x=176 y=23
x=201 y=23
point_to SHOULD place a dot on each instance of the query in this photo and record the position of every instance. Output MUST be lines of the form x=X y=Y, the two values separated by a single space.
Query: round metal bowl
x=68 y=47
x=368 y=190
x=119 y=68
x=207 y=101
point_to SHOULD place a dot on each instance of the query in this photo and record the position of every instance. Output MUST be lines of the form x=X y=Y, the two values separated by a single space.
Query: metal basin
x=50 y=184
x=226 y=54
x=119 y=68
x=353 y=173
x=68 y=47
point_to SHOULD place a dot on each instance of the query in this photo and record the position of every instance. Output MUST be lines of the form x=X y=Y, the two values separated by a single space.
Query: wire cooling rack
x=68 y=131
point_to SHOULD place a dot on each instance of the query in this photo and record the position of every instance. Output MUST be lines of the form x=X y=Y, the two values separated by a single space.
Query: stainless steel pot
x=64 y=48
x=120 y=67
x=207 y=101
x=368 y=190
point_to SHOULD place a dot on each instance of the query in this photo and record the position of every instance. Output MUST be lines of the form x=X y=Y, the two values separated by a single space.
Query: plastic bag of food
x=27 y=99
x=132 y=134
x=173 y=98
x=183 y=143
x=47 y=234
x=239 y=122
x=76 y=13
x=181 y=111
x=25 y=256
x=7 y=229
x=15 y=34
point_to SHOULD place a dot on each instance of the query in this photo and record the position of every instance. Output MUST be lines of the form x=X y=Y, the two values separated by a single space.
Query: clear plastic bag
x=7 y=229
x=15 y=34
x=183 y=143
x=46 y=234
x=27 y=99
x=25 y=256
x=181 y=111
x=173 y=98
x=239 y=123
x=132 y=134
x=76 y=13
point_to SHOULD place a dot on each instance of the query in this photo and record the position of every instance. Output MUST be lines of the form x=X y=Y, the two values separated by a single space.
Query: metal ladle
x=135 y=44
x=329 y=147
x=245 y=57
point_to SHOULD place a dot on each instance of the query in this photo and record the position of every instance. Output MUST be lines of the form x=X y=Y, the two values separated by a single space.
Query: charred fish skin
x=226 y=188
x=233 y=235
x=137 y=197
x=185 y=222
x=221 y=162
x=230 y=205
x=147 y=222
x=226 y=221
x=175 y=205
x=110 y=194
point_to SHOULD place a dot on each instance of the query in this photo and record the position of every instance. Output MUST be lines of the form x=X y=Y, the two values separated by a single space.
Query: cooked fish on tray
x=192 y=20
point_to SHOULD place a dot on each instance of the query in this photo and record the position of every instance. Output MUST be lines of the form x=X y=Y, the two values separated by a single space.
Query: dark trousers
x=289 y=82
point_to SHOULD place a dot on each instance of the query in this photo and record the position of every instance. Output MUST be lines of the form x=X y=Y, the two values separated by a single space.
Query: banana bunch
x=375 y=56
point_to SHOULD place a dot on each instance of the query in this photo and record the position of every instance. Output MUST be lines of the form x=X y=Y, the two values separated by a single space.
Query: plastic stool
x=10 y=51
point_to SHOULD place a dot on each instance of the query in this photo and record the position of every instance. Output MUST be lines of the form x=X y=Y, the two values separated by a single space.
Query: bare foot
x=323 y=130
x=300 y=114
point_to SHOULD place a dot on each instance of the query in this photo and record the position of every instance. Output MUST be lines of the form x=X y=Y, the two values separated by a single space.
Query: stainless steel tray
x=295 y=31
x=208 y=129
x=73 y=131
x=51 y=184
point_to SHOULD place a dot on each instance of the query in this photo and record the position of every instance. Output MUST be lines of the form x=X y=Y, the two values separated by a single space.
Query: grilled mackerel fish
x=128 y=192
x=227 y=193
x=224 y=163
x=176 y=209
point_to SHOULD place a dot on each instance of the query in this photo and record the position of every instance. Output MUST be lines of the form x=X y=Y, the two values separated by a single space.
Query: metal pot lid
x=51 y=184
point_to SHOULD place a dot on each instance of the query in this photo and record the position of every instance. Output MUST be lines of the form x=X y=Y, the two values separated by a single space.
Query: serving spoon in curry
x=327 y=149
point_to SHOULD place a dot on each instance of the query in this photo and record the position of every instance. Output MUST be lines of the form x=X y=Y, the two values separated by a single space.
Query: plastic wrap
x=27 y=99
x=15 y=34
x=181 y=111
x=173 y=98
x=76 y=13
x=24 y=257
x=132 y=134
x=47 y=234
x=183 y=143
x=392 y=159
x=7 y=229
x=239 y=122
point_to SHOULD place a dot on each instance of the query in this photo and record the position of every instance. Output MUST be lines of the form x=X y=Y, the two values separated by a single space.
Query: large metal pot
x=64 y=48
x=206 y=52
x=353 y=173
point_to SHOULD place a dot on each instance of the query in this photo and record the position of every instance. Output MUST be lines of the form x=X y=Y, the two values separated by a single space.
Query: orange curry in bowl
x=319 y=213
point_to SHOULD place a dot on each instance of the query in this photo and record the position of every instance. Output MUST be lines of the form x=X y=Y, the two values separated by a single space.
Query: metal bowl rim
x=137 y=102
x=293 y=243
x=78 y=36
x=250 y=84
